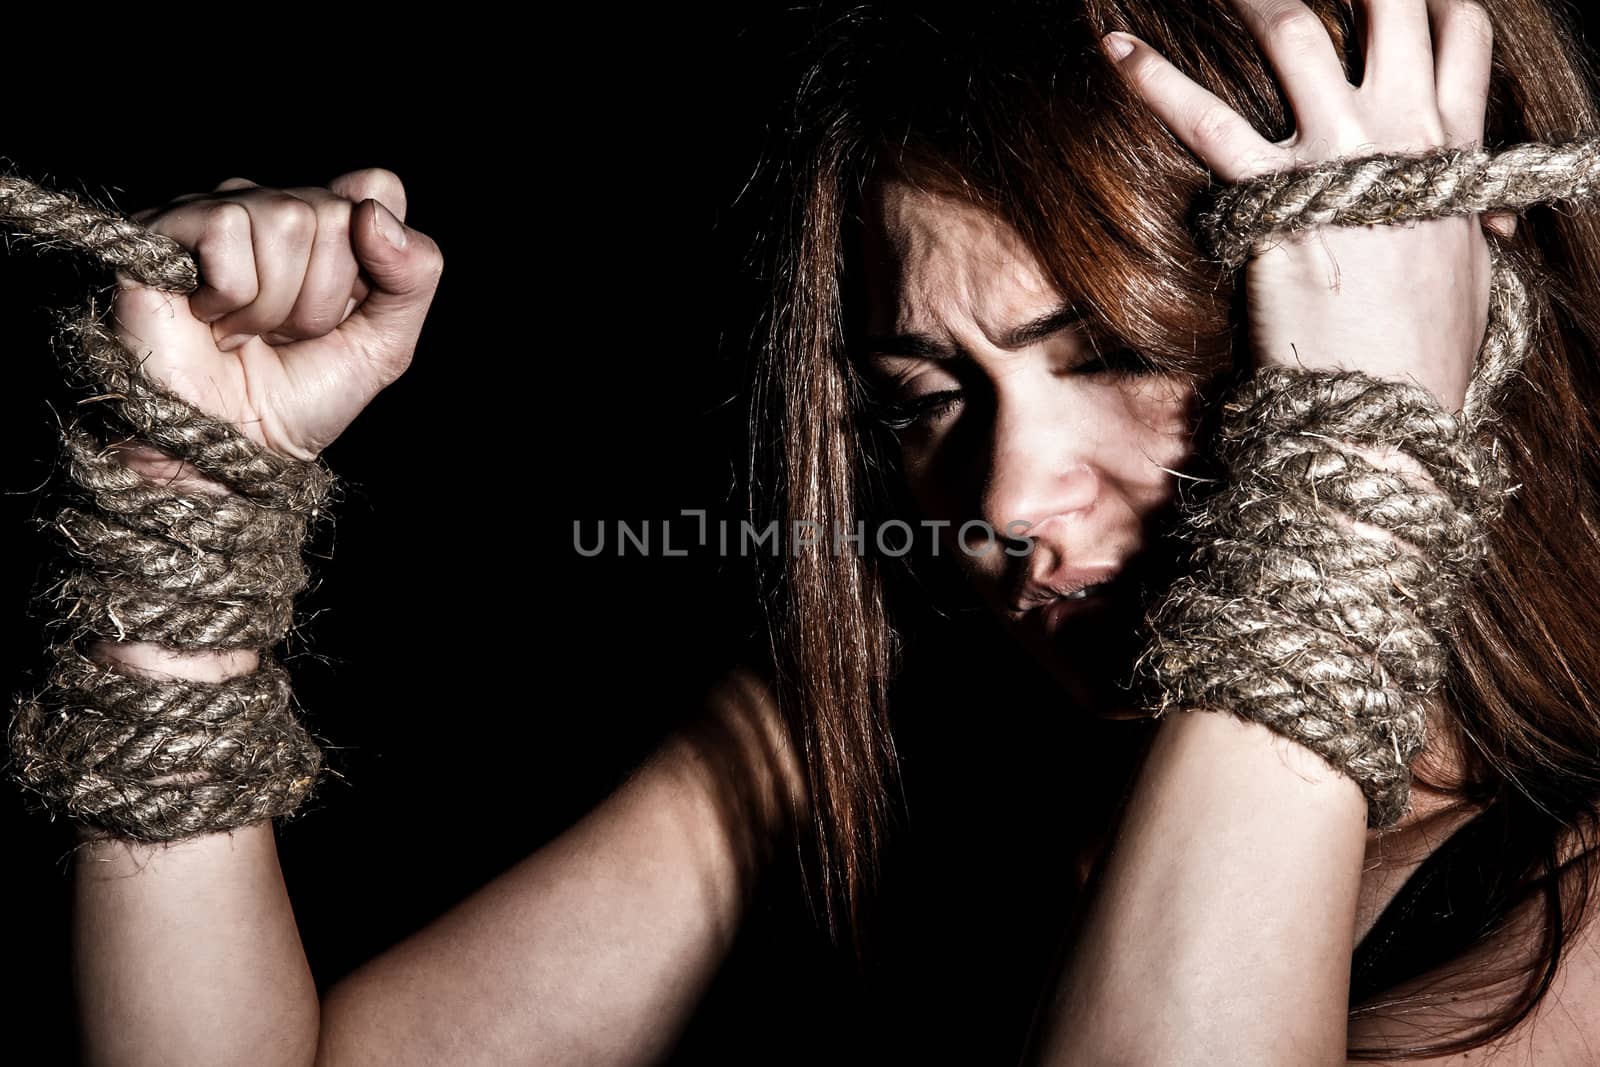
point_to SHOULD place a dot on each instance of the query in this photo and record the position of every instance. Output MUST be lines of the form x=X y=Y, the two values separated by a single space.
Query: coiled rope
x=1289 y=616
x=135 y=755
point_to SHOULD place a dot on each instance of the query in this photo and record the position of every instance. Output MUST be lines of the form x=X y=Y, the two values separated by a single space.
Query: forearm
x=189 y=952
x=594 y=950
x=597 y=947
x=1222 y=924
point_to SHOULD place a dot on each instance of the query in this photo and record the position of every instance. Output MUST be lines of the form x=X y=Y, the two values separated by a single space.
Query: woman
x=1093 y=189
x=1022 y=199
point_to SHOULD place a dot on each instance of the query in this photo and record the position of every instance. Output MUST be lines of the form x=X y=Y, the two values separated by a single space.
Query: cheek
x=930 y=485
x=1157 y=421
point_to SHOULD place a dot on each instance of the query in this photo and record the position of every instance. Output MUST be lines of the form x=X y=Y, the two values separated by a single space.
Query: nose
x=1042 y=468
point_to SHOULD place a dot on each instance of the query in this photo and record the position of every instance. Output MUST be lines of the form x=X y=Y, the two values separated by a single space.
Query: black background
x=479 y=683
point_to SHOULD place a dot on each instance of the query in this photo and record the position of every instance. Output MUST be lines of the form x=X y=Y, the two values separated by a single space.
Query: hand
x=310 y=302
x=1397 y=302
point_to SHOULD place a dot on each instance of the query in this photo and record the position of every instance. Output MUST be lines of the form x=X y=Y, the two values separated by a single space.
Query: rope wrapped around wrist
x=135 y=755
x=1289 y=616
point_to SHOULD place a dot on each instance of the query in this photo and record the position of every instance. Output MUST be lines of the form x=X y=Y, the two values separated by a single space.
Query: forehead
x=931 y=256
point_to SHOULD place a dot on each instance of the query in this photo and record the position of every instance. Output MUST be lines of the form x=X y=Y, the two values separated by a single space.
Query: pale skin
x=593 y=950
x=1242 y=875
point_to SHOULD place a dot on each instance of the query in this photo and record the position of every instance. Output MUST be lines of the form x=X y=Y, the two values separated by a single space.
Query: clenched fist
x=310 y=302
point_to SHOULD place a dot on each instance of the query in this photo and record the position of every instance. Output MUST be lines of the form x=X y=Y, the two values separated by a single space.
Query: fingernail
x=233 y=340
x=1119 y=45
x=390 y=227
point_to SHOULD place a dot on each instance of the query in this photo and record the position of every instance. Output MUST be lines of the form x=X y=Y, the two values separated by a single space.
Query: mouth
x=1089 y=637
x=1091 y=600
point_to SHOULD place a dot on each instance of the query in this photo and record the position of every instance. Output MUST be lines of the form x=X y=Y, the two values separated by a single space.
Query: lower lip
x=1061 y=609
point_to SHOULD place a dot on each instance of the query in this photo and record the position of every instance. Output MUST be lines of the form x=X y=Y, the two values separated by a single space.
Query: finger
x=1399 y=51
x=217 y=234
x=1302 y=55
x=151 y=212
x=1503 y=223
x=1463 y=60
x=333 y=219
x=332 y=273
x=232 y=184
x=373 y=183
x=283 y=229
x=1220 y=137
x=404 y=266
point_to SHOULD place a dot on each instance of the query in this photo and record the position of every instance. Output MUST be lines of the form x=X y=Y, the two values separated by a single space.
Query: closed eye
x=929 y=408
x=1117 y=362
x=918 y=411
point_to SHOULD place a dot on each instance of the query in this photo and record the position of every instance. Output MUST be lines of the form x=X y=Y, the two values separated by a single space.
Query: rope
x=136 y=756
x=1290 y=615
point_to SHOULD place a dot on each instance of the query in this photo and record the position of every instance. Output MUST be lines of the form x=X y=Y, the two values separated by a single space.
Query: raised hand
x=310 y=302
x=1399 y=302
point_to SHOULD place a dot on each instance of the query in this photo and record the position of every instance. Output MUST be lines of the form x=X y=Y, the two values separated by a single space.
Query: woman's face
x=1010 y=422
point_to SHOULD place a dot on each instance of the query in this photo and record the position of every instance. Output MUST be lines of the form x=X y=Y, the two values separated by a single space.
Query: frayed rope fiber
x=1290 y=615
x=1388 y=188
x=138 y=756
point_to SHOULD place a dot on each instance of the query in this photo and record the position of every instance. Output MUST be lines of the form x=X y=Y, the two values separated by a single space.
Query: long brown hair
x=1014 y=107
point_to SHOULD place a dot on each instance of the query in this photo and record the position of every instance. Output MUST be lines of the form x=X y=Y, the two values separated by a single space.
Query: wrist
x=166 y=469
x=152 y=659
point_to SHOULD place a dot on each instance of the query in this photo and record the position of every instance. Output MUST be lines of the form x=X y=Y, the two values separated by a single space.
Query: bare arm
x=596 y=949
x=1223 y=924
x=1224 y=921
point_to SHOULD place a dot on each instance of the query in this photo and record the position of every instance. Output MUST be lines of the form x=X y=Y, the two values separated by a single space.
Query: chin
x=1092 y=662
x=1094 y=695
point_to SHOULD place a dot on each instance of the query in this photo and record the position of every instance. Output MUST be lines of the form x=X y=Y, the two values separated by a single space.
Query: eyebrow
x=922 y=346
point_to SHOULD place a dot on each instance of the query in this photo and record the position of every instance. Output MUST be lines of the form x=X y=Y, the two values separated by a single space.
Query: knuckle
x=426 y=258
x=224 y=254
x=383 y=178
x=293 y=218
x=226 y=220
x=1143 y=71
x=1474 y=18
x=1293 y=24
x=433 y=261
x=233 y=287
x=1210 y=126
x=381 y=184
x=228 y=268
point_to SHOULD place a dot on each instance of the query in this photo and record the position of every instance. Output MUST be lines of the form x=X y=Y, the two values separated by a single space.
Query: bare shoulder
x=740 y=735
x=1563 y=1028
x=744 y=701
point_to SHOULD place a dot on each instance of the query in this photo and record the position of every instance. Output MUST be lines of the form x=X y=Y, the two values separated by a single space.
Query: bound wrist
x=166 y=469
x=153 y=659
